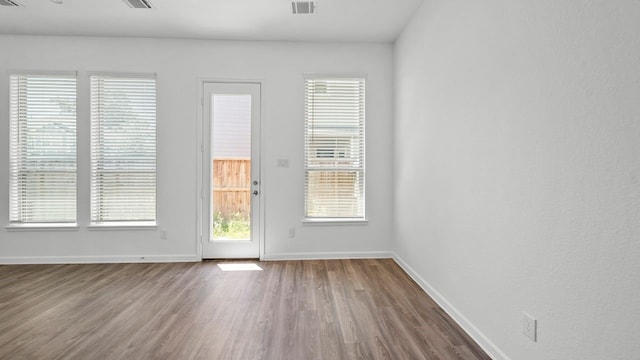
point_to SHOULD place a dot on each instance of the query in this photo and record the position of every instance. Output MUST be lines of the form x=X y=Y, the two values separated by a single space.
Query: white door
x=231 y=170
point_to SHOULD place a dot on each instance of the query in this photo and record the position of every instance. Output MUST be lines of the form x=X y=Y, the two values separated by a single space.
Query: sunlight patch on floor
x=239 y=267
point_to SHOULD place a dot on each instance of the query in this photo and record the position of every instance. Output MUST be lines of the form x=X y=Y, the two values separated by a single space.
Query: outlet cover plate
x=283 y=163
x=529 y=326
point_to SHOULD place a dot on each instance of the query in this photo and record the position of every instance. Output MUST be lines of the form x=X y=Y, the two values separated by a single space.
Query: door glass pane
x=231 y=167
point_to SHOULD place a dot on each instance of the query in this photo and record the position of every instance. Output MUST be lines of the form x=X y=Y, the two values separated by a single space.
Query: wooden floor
x=338 y=309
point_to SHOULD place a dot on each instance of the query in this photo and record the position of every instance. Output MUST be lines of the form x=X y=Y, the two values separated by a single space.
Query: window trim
x=42 y=227
x=122 y=224
x=53 y=225
x=313 y=221
x=307 y=221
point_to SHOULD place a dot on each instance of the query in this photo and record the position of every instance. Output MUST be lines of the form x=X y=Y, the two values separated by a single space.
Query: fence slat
x=232 y=187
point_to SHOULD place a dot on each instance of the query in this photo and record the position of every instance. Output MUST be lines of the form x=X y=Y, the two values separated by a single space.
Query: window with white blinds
x=42 y=154
x=123 y=149
x=334 y=148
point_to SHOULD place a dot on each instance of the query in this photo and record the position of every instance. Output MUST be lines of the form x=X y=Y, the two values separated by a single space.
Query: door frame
x=203 y=116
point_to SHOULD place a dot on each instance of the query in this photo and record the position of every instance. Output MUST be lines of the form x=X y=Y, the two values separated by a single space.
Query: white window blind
x=42 y=154
x=334 y=147
x=123 y=149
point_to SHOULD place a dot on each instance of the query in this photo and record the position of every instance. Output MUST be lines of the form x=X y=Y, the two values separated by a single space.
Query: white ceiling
x=334 y=20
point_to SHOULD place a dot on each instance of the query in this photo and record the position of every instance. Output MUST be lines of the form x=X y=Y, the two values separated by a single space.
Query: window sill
x=43 y=227
x=334 y=221
x=123 y=226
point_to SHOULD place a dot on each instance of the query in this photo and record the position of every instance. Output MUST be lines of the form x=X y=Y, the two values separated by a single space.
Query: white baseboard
x=98 y=259
x=482 y=340
x=329 y=255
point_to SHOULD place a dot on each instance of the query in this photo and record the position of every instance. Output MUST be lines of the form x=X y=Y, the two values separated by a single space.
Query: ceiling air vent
x=303 y=7
x=137 y=4
x=8 y=3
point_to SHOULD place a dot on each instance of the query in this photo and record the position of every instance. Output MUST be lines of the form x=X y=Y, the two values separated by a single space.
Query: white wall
x=179 y=64
x=517 y=161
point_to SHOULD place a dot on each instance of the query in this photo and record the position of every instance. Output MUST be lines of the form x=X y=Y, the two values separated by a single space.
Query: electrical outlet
x=163 y=234
x=292 y=232
x=529 y=326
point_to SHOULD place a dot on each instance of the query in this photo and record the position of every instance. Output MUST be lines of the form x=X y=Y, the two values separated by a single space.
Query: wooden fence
x=232 y=187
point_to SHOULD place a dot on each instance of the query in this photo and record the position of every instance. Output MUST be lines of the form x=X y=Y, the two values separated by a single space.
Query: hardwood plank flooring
x=335 y=309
